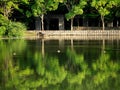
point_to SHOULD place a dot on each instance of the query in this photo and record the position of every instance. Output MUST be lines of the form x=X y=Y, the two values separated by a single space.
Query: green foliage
x=25 y=1
x=7 y=27
x=28 y=13
x=2 y=30
x=10 y=28
x=75 y=9
x=3 y=24
x=103 y=6
x=3 y=20
x=15 y=29
x=40 y=7
x=117 y=13
x=7 y=6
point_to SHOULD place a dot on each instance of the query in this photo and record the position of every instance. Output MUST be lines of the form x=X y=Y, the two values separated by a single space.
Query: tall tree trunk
x=42 y=22
x=72 y=24
x=103 y=23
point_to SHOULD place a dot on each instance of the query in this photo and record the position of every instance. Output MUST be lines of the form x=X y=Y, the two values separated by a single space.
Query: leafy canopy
x=40 y=7
x=76 y=8
x=104 y=6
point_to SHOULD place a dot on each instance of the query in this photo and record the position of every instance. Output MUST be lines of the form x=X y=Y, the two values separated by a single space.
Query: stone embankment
x=81 y=33
x=78 y=34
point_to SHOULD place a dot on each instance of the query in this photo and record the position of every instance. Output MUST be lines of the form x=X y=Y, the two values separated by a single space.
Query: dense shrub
x=3 y=25
x=2 y=30
x=3 y=20
x=10 y=28
x=15 y=29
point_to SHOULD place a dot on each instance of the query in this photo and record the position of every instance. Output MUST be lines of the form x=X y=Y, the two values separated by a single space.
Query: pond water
x=59 y=64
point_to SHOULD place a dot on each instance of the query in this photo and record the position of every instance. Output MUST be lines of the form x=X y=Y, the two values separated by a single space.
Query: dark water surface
x=59 y=65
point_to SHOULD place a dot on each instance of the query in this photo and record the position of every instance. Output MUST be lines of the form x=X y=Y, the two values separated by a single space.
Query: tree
x=7 y=26
x=75 y=7
x=6 y=7
x=103 y=7
x=40 y=7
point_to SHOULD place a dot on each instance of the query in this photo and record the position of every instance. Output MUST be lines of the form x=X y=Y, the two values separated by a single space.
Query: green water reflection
x=59 y=65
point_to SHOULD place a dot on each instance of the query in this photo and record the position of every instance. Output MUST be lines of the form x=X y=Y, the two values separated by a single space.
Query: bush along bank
x=10 y=28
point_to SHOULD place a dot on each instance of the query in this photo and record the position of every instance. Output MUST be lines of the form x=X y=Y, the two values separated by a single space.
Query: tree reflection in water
x=28 y=70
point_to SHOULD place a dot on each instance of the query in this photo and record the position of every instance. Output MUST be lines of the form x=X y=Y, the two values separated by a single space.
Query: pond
x=59 y=64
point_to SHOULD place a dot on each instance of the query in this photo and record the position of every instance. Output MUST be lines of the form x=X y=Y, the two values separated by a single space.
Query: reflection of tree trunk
x=117 y=50
x=71 y=24
x=7 y=67
x=42 y=21
x=11 y=69
x=61 y=44
x=5 y=72
x=103 y=23
x=43 y=49
x=72 y=44
x=103 y=45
